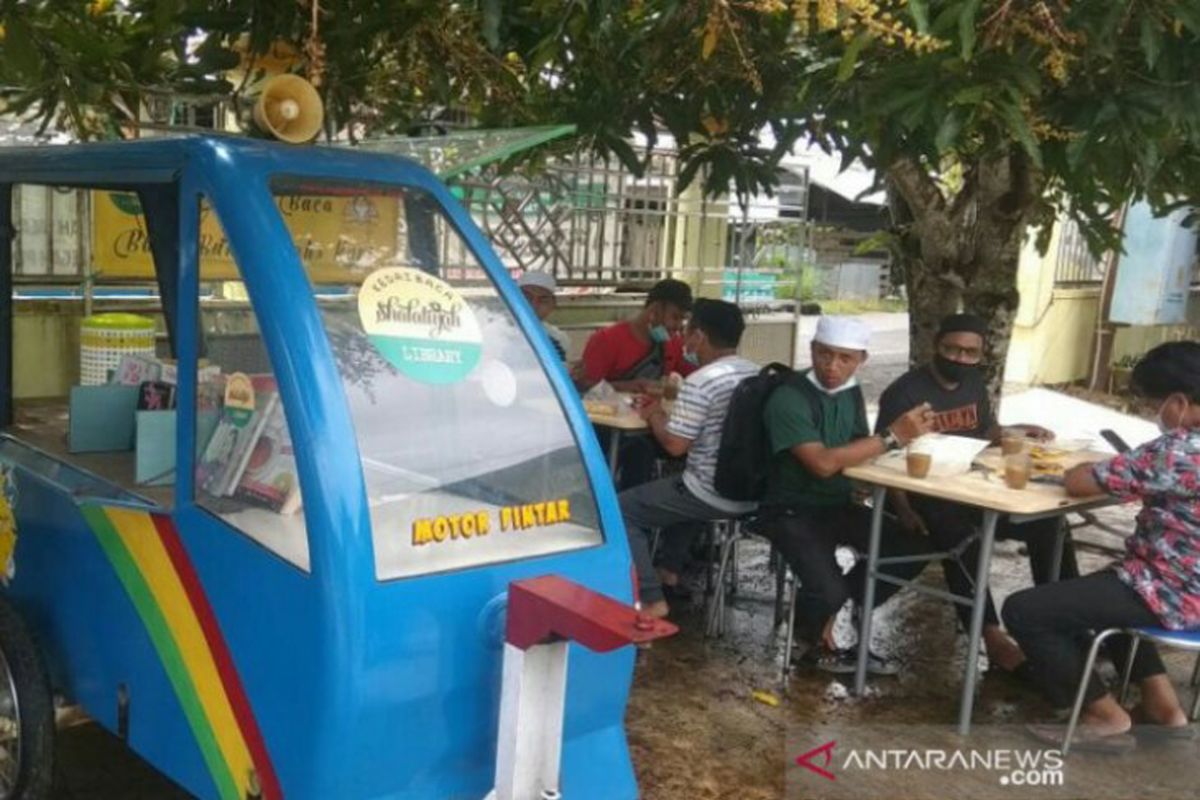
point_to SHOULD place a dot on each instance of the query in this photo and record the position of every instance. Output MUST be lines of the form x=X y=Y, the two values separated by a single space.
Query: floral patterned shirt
x=1162 y=557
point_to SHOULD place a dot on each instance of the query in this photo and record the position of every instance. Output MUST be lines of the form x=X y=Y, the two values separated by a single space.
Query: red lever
x=550 y=608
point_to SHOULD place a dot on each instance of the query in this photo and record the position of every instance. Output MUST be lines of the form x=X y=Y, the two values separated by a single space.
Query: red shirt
x=611 y=352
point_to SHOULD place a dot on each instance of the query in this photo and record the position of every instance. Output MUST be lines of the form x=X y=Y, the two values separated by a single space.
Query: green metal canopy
x=454 y=153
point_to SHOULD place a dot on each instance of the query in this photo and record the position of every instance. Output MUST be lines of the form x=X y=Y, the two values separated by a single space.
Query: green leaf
x=491 y=23
x=966 y=28
x=1018 y=126
x=850 y=57
x=19 y=50
x=970 y=96
x=948 y=131
x=920 y=14
x=1150 y=39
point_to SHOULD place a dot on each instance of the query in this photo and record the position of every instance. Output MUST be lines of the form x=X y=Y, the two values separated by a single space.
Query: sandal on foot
x=1085 y=738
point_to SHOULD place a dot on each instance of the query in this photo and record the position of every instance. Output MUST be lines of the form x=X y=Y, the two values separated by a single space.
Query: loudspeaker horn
x=289 y=109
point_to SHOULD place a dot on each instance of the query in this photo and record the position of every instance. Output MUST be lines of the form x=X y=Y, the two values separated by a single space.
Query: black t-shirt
x=963 y=411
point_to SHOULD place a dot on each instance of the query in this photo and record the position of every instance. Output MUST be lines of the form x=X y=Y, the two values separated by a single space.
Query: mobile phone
x=1118 y=444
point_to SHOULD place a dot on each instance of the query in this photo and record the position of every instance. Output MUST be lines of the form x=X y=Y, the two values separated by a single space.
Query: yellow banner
x=339 y=239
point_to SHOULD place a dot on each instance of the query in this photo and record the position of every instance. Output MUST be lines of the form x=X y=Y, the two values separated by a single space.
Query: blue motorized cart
x=368 y=439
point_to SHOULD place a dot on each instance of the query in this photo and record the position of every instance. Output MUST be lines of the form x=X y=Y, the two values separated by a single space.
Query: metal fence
x=1074 y=262
x=592 y=222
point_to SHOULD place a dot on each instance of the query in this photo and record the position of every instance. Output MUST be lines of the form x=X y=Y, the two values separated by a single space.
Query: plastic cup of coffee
x=670 y=389
x=918 y=464
x=1017 y=469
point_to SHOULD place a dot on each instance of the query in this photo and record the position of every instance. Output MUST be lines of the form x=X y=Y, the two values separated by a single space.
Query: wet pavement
x=698 y=731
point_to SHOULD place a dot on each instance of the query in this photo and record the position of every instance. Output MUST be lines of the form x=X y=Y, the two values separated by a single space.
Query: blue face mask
x=659 y=334
x=690 y=357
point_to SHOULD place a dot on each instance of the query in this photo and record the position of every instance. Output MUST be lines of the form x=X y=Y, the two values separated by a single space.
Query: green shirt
x=791 y=420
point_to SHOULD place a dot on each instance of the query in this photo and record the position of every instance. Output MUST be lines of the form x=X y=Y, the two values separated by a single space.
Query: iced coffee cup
x=918 y=464
x=1017 y=468
x=1011 y=445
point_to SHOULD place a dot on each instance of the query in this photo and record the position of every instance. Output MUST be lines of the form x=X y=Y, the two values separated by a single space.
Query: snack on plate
x=601 y=408
x=1047 y=461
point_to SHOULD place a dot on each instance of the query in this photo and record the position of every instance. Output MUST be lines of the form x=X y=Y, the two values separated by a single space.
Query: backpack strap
x=650 y=366
x=799 y=381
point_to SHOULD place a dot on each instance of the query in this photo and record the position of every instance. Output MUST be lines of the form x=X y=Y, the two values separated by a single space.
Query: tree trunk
x=960 y=253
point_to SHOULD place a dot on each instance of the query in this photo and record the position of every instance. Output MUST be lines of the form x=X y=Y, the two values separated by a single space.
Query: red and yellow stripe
x=149 y=558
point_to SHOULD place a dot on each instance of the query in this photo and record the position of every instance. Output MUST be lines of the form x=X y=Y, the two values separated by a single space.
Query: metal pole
x=878 y=497
x=982 y=571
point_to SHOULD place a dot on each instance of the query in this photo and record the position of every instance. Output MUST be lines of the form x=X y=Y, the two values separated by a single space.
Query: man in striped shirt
x=692 y=428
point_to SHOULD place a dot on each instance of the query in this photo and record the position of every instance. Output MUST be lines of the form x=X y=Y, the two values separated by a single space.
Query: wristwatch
x=890 y=442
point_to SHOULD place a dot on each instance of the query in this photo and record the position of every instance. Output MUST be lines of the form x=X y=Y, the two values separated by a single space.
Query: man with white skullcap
x=817 y=425
x=540 y=290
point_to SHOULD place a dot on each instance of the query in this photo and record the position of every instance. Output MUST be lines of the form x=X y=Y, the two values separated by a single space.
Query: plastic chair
x=1180 y=640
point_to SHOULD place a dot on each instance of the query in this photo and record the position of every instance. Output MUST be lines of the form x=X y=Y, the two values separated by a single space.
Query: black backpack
x=744 y=457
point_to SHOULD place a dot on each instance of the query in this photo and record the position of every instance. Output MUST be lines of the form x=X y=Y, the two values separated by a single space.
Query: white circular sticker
x=420 y=324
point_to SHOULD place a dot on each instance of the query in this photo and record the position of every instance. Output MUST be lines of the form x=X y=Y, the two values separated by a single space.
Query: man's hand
x=1035 y=432
x=913 y=423
x=649 y=409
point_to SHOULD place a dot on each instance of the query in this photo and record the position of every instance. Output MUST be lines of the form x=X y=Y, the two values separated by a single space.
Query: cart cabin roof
x=112 y=165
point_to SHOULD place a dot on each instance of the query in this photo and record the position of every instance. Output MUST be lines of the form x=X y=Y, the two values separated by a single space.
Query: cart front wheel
x=26 y=714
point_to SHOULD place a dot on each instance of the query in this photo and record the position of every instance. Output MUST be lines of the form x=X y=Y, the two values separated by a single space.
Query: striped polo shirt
x=699 y=415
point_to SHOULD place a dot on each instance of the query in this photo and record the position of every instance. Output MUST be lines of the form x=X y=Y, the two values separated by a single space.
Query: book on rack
x=249 y=402
x=270 y=478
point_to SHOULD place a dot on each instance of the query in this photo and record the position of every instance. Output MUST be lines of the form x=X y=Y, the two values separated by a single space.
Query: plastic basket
x=105 y=338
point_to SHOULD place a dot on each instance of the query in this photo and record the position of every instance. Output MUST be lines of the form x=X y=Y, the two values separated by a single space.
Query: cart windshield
x=466 y=451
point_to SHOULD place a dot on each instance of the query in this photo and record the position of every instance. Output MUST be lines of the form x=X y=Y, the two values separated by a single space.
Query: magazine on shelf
x=270 y=478
x=230 y=447
x=134 y=370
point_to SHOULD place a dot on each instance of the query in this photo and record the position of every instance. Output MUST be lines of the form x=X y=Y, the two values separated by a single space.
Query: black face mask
x=953 y=371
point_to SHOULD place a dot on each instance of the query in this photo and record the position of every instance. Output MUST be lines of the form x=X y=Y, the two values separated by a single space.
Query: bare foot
x=1160 y=704
x=657 y=609
x=1002 y=651
x=1105 y=717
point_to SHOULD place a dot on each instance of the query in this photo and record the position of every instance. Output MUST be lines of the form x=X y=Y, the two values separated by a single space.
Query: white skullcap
x=541 y=280
x=847 y=332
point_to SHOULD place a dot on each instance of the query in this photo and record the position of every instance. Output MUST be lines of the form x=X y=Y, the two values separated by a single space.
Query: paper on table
x=952 y=455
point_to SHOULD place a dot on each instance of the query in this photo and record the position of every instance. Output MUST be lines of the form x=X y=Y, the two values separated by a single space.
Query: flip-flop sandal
x=1084 y=739
x=1151 y=731
x=1163 y=733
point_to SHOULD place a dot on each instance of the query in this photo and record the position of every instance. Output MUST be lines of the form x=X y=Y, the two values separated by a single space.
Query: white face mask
x=815 y=381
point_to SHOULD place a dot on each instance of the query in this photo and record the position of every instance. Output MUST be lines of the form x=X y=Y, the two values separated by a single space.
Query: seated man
x=539 y=289
x=817 y=426
x=1156 y=584
x=693 y=428
x=634 y=355
x=954 y=386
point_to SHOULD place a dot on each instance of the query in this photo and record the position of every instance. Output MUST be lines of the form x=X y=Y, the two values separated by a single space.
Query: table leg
x=878 y=498
x=1060 y=542
x=982 y=573
x=614 y=447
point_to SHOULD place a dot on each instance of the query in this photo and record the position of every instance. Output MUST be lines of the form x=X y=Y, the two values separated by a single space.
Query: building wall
x=1054 y=334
